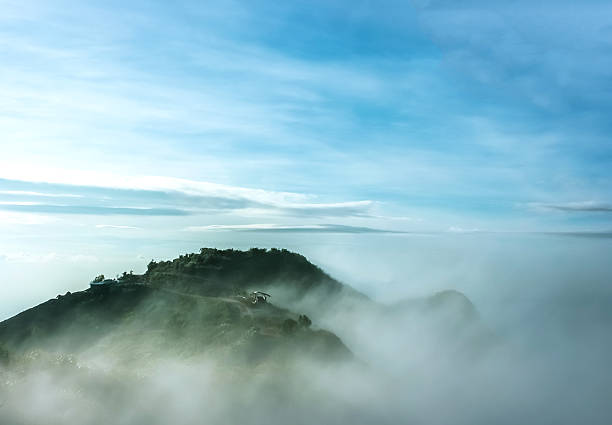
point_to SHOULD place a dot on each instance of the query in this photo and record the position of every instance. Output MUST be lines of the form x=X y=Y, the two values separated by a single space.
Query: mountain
x=198 y=339
x=132 y=323
x=215 y=272
x=199 y=304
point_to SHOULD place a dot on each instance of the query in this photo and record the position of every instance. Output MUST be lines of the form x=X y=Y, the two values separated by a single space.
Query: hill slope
x=214 y=272
x=196 y=304
x=133 y=322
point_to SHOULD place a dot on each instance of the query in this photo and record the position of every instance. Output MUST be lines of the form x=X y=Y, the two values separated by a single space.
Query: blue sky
x=137 y=130
x=423 y=116
x=473 y=114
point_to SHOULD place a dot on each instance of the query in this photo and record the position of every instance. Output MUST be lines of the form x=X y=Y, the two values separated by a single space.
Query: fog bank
x=544 y=299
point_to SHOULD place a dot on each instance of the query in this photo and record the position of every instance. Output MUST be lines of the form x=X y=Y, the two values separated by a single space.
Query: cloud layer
x=314 y=228
x=586 y=206
x=158 y=196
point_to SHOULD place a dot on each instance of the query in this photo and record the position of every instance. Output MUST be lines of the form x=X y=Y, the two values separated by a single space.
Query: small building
x=259 y=297
x=101 y=285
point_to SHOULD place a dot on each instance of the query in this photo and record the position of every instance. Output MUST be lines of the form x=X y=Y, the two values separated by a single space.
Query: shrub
x=289 y=326
x=304 y=321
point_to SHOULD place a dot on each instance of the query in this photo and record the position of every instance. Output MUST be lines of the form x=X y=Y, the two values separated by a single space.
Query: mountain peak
x=192 y=304
x=215 y=272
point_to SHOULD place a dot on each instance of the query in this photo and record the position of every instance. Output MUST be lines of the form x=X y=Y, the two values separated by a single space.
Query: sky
x=149 y=127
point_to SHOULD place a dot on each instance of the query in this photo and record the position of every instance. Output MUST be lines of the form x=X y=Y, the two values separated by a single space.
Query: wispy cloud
x=584 y=234
x=91 y=210
x=114 y=226
x=331 y=114
x=120 y=195
x=584 y=206
x=347 y=209
x=306 y=228
x=541 y=51
x=18 y=193
x=457 y=229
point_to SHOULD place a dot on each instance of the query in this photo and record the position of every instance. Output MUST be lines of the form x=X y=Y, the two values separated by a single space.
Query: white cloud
x=268 y=227
x=216 y=195
x=256 y=226
x=11 y=218
x=22 y=203
x=36 y=194
x=113 y=226
x=582 y=206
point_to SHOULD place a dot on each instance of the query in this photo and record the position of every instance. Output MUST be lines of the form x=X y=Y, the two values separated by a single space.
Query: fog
x=538 y=353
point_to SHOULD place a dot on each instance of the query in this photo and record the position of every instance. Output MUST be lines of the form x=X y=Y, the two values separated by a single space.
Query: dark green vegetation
x=199 y=304
x=192 y=305
x=144 y=321
x=181 y=308
x=199 y=340
x=215 y=272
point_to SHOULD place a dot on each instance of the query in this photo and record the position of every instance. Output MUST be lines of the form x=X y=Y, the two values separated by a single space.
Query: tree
x=151 y=265
x=289 y=326
x=304 y=321
x=4 y=356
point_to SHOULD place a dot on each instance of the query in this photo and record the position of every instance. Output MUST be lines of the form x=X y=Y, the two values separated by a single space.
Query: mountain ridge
x=199 y=303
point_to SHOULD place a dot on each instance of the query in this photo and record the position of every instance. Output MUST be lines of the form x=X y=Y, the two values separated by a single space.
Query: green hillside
x=214 y=272
x=200 y=304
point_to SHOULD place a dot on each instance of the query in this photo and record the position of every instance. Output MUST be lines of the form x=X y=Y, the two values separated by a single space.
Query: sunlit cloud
x=38 y=194
x=91 y=210
x=107 y=194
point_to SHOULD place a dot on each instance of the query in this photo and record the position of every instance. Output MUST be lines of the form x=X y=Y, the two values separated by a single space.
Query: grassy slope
x=134 y=323
x=191 y=305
